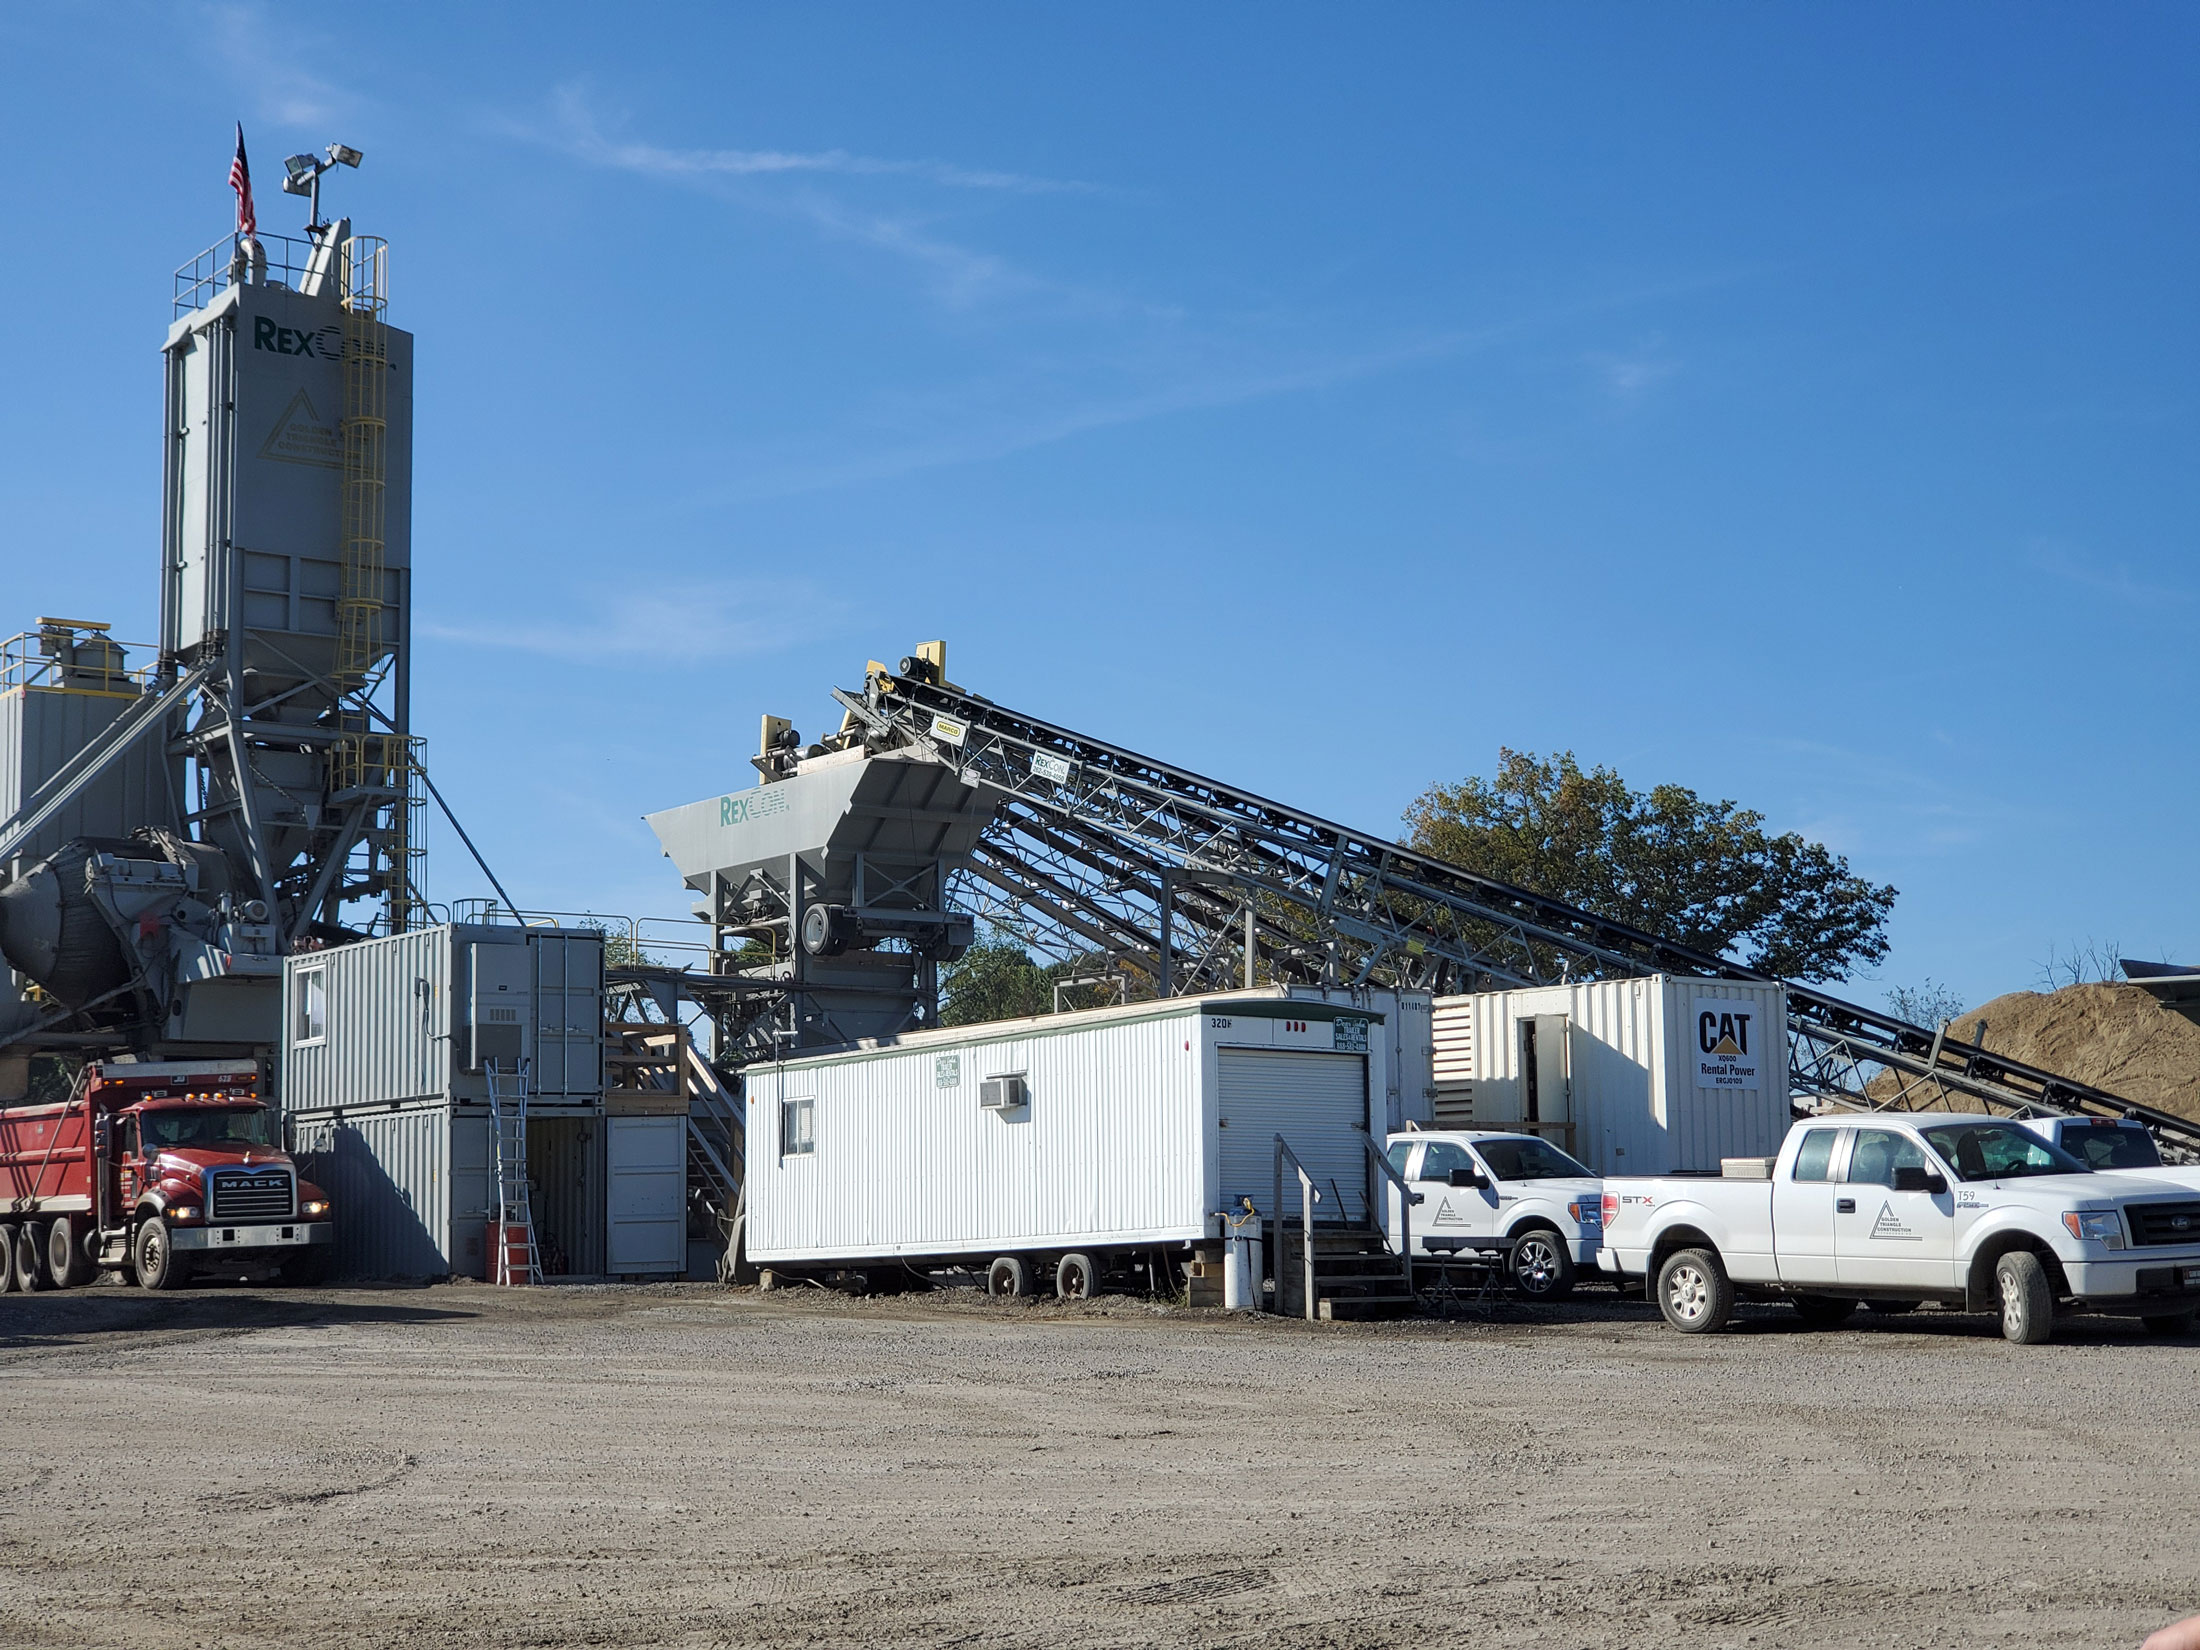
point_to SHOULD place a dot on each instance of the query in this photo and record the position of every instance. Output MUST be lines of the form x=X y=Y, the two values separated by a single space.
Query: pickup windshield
x=1998 y=1151
x=1529 y=1160
x=208 y=1127
x=2111 y=1146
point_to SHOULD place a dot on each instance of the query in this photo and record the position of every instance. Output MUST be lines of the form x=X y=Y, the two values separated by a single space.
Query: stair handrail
x=1308 y=1197
x=1405 y=1205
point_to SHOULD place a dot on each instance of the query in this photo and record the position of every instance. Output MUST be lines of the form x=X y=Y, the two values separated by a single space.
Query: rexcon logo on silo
x=744 y=806
x=326 y=342
x=1724 y=1031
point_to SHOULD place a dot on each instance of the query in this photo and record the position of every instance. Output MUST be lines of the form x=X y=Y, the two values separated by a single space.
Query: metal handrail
x=1405 y=1205
x=1308 y=1197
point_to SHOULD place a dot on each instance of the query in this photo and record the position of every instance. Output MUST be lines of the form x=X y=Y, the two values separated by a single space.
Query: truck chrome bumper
x=293 y=1235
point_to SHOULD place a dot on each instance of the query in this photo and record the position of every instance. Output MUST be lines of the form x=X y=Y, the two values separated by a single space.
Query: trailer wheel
x=1694 y=1292
x=1542 y=1270
x=1008 y=1277
x=1823 y=1311
x=2027 y=1299
x=30 y=1257
x=66 y=1261
x=8 y=1283
x=1076 y=1278
x=158 y=1266
x=2168 y=1323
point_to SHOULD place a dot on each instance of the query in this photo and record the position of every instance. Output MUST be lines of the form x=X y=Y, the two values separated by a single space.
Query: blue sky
x=1796 y=403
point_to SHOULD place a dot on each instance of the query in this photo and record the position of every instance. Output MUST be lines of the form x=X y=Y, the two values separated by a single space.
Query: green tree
x=1704 y=874
x=994 y=980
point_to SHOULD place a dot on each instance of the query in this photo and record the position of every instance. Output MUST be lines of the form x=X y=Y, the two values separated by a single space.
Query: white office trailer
x=1109 y=1136
x=1664 y=1074
x=1409 y=1048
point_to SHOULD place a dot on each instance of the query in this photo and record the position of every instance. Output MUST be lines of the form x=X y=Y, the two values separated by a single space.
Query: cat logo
x=1728 y=1053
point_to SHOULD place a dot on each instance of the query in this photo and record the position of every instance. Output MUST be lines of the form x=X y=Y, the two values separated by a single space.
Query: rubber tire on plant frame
x=2027 y=1298
x=1542 y=1269
x=1694 y=1292
x=1008 y=1278
x=1076 y=1278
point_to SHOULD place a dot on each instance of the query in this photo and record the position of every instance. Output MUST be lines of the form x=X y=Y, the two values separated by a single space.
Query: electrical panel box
x=501 y=1004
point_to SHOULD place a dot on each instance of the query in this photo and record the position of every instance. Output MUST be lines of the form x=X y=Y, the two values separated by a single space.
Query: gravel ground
x=680 y=1465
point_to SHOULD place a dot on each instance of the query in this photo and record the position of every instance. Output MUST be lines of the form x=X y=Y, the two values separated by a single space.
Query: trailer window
x=311 y=1008
x=797 y=1127
x=1814 y=1157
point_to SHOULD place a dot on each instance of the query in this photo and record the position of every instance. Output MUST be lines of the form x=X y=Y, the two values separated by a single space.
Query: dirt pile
x=2115 y=1037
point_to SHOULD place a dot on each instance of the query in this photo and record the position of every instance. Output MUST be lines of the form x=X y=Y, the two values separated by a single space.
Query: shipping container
x=1661 y=1074
x=1095 y=1132
x=393 y=1021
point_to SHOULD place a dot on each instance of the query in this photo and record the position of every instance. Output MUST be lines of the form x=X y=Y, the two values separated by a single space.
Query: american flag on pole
x=240 y=179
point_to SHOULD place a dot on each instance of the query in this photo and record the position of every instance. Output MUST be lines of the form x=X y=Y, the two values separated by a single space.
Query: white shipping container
x=1118 y=1128
x=1629 y=1075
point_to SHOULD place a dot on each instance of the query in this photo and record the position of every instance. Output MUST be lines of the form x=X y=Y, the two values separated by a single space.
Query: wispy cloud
x=263 y=59
x=2112 y=579
x=698 y=624
x=1630 y=375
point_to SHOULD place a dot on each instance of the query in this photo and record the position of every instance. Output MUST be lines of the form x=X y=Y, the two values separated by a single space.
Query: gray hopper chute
x=873 y=836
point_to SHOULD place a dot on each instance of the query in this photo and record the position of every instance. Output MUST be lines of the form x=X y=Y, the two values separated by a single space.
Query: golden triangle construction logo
x=299 y=437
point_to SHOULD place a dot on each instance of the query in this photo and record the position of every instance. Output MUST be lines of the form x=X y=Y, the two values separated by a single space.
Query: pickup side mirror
x=1911 y=1178
x=1469 y=1178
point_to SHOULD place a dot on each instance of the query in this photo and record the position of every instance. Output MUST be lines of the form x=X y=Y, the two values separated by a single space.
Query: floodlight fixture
x=344 y=155
x=304 y=177
x=301 y=170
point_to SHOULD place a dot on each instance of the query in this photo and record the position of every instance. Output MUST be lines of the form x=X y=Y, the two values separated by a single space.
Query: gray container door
x=646 y=1174
x=1318 y=1103
x=1547 y=1077
x=568 y=1015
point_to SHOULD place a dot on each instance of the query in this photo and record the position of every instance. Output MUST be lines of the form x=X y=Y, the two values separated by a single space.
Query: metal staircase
x=1094 y=847
x=514 y=1259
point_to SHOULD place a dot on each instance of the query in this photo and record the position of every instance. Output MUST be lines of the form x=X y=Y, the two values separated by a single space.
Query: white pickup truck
x=1891 y=1211
x=1482 y=1183
x=2109 y=1146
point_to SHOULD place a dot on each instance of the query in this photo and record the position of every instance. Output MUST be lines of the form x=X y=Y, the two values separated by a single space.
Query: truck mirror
x=1912 y=1177
x=1936 y=1183
x=1464 y=1178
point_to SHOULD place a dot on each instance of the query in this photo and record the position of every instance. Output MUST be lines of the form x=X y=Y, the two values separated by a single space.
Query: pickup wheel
x=30 y=1257
x=1694 y=1292
x=1008 y=1277
x=1542 y=1270
x=2027 y=1299
x=2168 y=1323
x=158 y=1266
x=1824 y=1311
x=1076 y=1278
x=66 y=1261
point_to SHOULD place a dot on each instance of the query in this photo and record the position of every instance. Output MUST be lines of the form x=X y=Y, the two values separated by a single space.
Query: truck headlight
x=182 y=1215
x=2096 y=1226
x=313 y=1210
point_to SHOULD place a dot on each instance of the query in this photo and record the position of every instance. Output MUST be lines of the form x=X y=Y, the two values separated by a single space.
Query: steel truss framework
x=1198 y=884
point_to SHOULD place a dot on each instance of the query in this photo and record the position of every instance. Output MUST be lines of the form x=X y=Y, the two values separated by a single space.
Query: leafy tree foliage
x=996 y=979
x=1705 y=874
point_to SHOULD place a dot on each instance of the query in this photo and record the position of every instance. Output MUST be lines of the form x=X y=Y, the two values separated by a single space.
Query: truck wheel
x=2168 y=1323
x=30 y=1257
x=158 y=1265
x=1008 y=1277
x=8 y=1283
x=2027 y=1299
x=1542 y=1270
x=1694 y=1292
x=1824 y=1311
x=1076 y=1278
x=66 y=1261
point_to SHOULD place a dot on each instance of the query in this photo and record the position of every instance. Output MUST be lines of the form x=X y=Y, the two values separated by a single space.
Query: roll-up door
x=1318 y=1103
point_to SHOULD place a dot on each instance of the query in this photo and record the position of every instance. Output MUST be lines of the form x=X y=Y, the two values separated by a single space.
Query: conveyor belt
x=1112 y=849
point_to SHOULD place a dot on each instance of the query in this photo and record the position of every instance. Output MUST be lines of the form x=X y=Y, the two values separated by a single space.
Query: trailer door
x=1318 y=1103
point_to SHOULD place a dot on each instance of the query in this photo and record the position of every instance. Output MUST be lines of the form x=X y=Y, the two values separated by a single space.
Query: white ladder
x=516 y=1259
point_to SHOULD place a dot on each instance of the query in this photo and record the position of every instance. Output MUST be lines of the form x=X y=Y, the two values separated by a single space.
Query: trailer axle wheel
x=30 y=1257
x=65 y=1258
x=1076 y=1278
x=1007 y=1277
x=8 y=1283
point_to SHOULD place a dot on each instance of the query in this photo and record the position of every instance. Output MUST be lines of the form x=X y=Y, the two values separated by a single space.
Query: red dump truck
x=157 y=1171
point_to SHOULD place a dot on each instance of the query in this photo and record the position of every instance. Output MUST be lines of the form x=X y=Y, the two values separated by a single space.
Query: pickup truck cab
x=1480 y=1183
x=1893 y=1211
x=2112 y=1146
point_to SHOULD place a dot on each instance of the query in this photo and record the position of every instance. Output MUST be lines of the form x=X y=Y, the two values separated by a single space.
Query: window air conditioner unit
x=1004 y=1093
